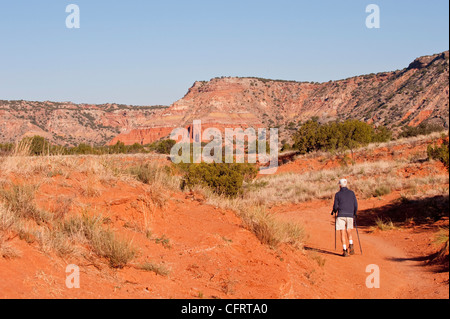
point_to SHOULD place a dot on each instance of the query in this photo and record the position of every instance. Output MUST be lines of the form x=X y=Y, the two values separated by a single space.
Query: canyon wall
x=417 y=93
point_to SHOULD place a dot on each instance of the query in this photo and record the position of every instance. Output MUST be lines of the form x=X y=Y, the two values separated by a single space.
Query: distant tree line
x=423 y=128
x=309 y=137
x=38 y=146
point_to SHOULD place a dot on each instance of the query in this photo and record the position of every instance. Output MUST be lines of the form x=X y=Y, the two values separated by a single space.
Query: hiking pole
x=335 y=217
x=357 y=232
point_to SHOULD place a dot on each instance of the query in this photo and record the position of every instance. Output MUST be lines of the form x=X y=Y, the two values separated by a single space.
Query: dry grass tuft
x=158 y=269
x=442 y=256
x=20 y=200
x=271 y=231
x=384 y=224
x=103 y=242
x=7 y=221
x=7 y=251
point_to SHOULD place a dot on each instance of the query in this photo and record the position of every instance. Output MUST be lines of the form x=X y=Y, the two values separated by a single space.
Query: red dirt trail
x=397 y=253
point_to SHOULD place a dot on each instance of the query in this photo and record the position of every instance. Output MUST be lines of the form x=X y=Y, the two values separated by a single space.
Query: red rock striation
x=406 y=97
x=410 y=96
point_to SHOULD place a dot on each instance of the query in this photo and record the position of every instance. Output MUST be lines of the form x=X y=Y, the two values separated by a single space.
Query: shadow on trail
x=405 y=212
x=440 y=263
x=322 y=251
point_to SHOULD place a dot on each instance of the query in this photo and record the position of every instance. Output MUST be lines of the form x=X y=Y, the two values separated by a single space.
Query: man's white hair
x=343 y=182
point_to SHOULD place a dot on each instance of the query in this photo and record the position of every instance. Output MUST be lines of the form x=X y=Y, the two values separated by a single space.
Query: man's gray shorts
x=343 y=223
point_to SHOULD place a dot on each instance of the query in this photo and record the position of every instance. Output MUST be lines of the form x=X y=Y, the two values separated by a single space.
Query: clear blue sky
x=146 y=52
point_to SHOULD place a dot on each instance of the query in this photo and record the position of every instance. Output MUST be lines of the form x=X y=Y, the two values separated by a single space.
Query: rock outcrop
x=404 y=97
x=68 y=123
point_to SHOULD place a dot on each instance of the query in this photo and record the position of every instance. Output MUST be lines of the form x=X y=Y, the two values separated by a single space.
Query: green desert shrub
x=6 y=148
x=165 y=146
x=349 y=135
x=222 y=179
x=439 y=153
x=39 y=145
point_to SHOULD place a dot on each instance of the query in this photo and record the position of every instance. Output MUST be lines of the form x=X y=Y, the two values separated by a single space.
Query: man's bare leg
x=350 y=239
x=350 y=235
x=344 y=242
x=344 y=239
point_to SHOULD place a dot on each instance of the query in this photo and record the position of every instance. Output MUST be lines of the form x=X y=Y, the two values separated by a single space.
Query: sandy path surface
x=403 y=274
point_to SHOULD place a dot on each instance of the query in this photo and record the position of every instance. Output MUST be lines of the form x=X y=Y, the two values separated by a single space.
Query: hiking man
x=346 y=208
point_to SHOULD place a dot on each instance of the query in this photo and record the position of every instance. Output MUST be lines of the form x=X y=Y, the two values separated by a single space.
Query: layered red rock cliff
x=68 y=123
x=405 y=97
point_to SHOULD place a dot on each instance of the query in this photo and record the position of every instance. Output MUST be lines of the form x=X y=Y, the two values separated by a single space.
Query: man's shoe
x=352 y=249
x=345 y=254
